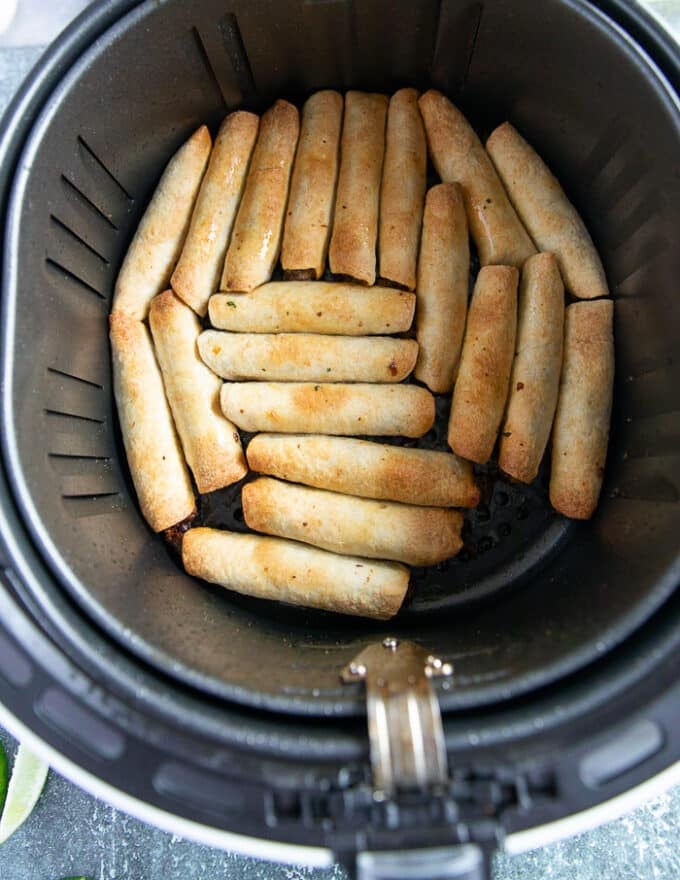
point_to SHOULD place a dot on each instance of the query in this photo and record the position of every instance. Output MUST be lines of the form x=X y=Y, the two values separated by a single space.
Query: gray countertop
x=71 y=833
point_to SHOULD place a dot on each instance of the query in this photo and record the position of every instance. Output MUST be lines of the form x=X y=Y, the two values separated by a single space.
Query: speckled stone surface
x=15 y=63
x=71 y=833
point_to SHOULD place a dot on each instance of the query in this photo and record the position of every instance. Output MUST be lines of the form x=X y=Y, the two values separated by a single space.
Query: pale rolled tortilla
x=581 y=430
x=197 y=273
x=211 y=444
x=271 y=568
x=402 y=192
x=350 y=525
x=443 y=276
x=307 y=357
x=256 y=237
x=484 y=373
x=157 y=467
x=309 y=215
x=367 y=469
x=549 y=216
x=314 y=307
x=158 y=241
x=458 y=154
x=535 y=377
x=357 y=203
x=306 y=408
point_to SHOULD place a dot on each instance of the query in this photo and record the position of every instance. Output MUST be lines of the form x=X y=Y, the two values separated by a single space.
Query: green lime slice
x=25 y=785
x=3 y=776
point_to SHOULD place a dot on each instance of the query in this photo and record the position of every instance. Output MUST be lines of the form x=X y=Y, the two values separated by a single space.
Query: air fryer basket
x=537 y=599
x=94 y=159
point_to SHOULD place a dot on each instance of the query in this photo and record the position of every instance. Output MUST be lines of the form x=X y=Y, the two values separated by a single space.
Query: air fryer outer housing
x=217 y=715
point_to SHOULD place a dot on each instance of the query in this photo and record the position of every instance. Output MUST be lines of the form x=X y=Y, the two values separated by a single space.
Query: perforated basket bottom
x=509 y=534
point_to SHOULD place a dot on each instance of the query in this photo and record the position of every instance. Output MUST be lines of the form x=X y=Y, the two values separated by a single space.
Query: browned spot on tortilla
x=318 y=398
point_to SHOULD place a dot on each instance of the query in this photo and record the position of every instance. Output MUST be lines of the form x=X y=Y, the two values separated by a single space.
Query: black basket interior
x=533 y=597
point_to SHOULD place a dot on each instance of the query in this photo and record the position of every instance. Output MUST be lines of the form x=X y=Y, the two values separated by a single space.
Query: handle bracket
x=404 y=721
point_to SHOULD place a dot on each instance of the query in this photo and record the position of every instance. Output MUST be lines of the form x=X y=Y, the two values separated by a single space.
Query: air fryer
x=225 y=717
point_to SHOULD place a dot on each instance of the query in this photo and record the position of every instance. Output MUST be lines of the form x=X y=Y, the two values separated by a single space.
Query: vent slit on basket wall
x=66 y=455
x=99 y=161
x=57 y=267
x=90 y=495
x=66 y=375
x=83 y=506
x=68 y=415
x=226 y=61
x=458 y=27
x=80 y=196
x=220 y=86
x=476 y=15
x=77 y=238
x=232 y=41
